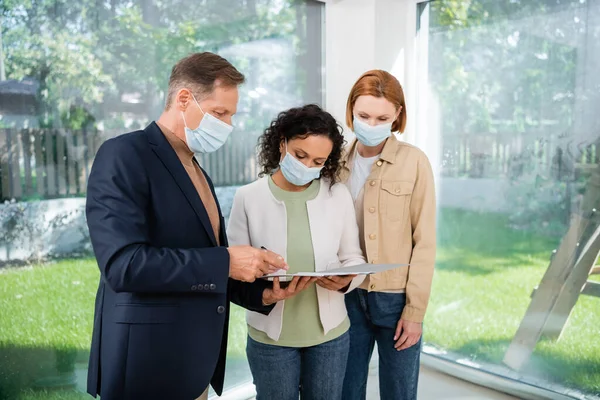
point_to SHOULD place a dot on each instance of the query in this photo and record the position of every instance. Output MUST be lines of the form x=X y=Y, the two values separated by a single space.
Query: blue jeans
x=373 y=318
x=284 y=373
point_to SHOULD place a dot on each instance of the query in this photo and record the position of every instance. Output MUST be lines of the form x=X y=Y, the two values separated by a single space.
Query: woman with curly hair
x=300 y=210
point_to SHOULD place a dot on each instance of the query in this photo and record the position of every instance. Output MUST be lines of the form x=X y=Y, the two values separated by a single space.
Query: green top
x=301 y=324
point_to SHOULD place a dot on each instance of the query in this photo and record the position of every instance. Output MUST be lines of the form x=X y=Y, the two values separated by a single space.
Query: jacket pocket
x=135 y=313
x=394 y=198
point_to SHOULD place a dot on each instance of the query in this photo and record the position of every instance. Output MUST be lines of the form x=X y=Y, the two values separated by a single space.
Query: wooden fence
x=510 y=155
x=53 y=163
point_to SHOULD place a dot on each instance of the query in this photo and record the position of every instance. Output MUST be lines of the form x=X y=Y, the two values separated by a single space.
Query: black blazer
x=162 y=307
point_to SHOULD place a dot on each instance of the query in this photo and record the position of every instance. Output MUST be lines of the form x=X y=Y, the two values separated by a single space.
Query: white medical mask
x=371 y=136
x=209 y=136
x=295 y=172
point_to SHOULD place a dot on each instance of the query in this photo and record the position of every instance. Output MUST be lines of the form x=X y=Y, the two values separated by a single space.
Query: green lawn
x=485 y=275
x=46 y=317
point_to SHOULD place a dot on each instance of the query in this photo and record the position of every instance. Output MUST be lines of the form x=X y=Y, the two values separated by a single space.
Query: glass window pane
x=513 y=94
x=73 y=74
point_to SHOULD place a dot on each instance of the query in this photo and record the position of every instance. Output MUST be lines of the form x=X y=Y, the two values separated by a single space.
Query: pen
x=282 y=283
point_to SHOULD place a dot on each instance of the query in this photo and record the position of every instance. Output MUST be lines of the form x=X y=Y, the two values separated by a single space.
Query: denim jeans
x=284 y=373
x=373 y=318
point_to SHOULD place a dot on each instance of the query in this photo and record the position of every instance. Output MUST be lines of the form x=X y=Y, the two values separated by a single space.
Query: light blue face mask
x=297 y=173
x=371 y=136
x=209 y=136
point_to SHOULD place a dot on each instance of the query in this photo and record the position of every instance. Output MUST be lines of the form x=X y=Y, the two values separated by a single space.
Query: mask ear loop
x=286 y=151
x=198 y=104
x=184 y=122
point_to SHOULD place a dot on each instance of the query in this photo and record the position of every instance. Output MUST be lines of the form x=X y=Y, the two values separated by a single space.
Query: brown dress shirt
x=186 y=156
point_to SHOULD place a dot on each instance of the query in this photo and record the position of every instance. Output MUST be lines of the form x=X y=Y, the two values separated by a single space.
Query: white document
x=361 y=269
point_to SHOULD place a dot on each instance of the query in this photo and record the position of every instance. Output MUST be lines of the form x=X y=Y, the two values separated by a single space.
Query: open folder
x=361 y=269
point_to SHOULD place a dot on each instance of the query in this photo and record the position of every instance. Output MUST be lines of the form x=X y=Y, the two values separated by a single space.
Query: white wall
x=381 y=34
x=363 y=35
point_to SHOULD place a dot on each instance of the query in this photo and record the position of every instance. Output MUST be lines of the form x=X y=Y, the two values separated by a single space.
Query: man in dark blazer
x=167 y=275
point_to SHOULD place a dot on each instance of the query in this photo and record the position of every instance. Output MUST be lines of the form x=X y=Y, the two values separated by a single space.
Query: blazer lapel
x=169 y=158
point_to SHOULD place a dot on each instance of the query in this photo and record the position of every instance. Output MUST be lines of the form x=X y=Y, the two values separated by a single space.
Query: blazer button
x=372 y=183
x=220 y=309
x=194 y=287
x=372 y=209
x=379 y=163
x=373 y=261
x=372 y=236
x=206 y=287
x=213 y=286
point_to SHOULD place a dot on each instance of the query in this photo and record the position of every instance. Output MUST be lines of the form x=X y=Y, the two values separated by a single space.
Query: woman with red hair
x=392 y=185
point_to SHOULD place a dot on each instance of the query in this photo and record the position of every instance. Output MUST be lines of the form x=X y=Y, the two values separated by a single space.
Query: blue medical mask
x=297 y=173
x=371 y=136
x=209 y=136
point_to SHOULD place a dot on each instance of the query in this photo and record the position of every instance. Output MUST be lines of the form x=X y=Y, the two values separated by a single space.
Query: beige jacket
x=396 y=212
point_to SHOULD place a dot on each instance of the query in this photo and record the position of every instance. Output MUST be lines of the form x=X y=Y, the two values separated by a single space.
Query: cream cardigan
x=259 y=219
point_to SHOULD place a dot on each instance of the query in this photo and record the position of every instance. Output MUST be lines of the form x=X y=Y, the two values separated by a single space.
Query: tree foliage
x=87 y=55
x=513 y=80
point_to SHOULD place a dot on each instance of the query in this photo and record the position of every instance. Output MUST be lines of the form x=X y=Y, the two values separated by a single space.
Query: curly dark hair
x=299 y=123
